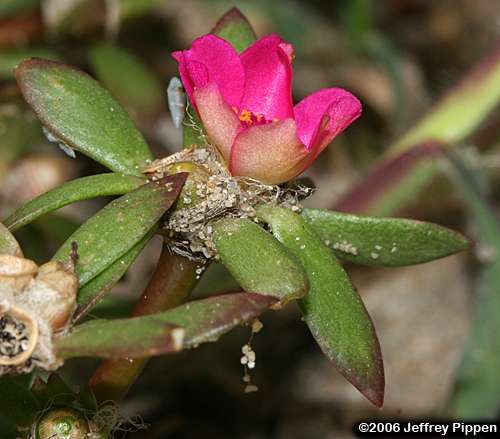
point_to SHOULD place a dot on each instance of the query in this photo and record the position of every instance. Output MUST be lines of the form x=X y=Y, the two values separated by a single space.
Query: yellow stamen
x=246 y=116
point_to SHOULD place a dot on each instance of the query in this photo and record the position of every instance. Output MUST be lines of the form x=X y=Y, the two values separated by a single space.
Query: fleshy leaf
x=8 y=244
x=120 y=338
x=119 y=226
x=258 y=262
x=179 y=328
x=77 y=190
x=94 y=290
x=234 y=27
x=127 y=78
x=83 y=115
x=383 y=241
x=333 y=309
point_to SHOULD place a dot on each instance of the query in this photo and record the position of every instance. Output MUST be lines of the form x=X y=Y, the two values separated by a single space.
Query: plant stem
x=172 y=282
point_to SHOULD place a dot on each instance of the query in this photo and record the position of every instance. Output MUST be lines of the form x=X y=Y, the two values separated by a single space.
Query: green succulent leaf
x=333 y=309
x=77 y=190
x=119 y=226
x=258 y=262
x=8 y=244
x=120 y=338
x=383 y=241
x=180 y=328
x=127 y=78
x=235 y=28
x=95 y=290
x=83 y=115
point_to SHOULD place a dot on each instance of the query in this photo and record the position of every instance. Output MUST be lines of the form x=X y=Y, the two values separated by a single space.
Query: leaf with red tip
x=234 y=27
x=378 y=241
x=333 y=309
x=81 y=114
x=180 y=328
x=91 y=294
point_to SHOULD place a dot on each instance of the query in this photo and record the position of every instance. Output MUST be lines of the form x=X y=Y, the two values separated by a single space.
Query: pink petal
x=323 y=115
x=271 y=153
x=219 y=120
x=212 y=59
x=268 y=78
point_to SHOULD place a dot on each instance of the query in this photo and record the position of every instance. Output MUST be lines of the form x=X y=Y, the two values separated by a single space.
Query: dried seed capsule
x=16 y=272
x=61 y=424
x=60 y=288
x=18 y=335
x=32 y=310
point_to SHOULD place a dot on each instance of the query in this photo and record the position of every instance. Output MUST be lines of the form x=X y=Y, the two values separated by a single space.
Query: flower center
x=248 y=118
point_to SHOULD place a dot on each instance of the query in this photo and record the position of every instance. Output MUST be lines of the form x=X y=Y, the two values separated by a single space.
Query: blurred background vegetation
x=438 y=323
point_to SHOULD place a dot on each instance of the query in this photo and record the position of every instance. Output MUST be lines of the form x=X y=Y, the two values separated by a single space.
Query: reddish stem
x=172 y=282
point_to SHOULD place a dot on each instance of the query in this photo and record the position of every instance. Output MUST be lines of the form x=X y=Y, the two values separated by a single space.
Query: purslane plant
x=227 y=196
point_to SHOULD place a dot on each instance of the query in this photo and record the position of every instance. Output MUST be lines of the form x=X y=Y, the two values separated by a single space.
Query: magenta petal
x=268 y=78
x=271 y=153
x=219 y=120
x=323 y=115
x=212 y=60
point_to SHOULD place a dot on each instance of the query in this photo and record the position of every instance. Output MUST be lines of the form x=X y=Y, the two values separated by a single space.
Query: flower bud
x=60 y=287
x=61 y=423
x=16 y=272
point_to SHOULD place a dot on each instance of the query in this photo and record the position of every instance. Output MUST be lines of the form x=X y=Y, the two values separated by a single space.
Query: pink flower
x=245 y=104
